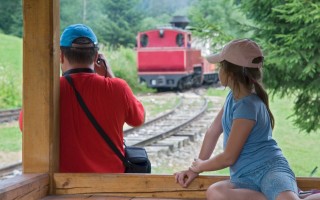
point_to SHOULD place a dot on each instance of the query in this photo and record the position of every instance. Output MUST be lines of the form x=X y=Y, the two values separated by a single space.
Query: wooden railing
x=35 y=186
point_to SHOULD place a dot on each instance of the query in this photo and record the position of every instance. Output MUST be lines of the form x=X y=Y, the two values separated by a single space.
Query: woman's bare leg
x=289 y=195
x=313 y=197
x=224 y=190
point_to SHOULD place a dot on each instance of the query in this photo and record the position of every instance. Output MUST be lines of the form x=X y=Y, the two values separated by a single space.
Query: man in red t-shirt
x=109 y=99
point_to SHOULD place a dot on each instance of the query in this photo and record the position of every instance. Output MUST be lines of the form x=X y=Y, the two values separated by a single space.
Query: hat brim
x=214 y=58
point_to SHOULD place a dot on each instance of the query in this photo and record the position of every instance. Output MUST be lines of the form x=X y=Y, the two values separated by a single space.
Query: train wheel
x=180 y=86
x=197 y=81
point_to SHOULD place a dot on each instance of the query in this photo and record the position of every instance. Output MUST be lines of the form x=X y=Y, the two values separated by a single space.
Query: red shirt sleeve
x=136 y=114
x=21 y=120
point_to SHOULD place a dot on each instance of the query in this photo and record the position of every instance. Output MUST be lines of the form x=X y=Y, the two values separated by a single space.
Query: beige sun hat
x=240 y=52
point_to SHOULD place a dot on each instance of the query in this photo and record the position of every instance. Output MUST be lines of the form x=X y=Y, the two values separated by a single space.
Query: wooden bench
x=113 y=186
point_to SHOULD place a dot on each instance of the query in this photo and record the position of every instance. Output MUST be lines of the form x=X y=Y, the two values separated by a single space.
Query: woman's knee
x=287 y=195
x=215 y=191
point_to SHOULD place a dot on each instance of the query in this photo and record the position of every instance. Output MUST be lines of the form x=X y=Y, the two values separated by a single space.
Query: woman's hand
x=184 y=178
x=196 y=165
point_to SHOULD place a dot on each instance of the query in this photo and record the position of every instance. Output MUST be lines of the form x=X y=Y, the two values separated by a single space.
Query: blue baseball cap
x=76 y=31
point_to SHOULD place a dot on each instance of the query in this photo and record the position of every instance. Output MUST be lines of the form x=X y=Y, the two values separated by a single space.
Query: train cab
x=166 y=59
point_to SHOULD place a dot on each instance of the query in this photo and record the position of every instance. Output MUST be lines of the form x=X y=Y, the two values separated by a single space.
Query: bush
x=10 y=87
x=124 y=66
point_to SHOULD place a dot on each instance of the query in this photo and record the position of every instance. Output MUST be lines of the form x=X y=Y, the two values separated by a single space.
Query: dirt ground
x=9 y=158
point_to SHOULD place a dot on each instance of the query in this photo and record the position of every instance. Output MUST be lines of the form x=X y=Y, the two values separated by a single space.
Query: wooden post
x=41 y=86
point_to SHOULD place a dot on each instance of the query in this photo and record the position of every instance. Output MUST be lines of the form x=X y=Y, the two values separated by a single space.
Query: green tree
x=71 y=13
x=119 y=22
x=115 y=22
x=11 y=17
x=218 y=21
x=289 y=33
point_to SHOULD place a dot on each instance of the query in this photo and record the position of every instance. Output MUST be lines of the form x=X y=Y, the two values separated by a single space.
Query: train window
x=161 y=33
x=180 y=40
x=144 y=40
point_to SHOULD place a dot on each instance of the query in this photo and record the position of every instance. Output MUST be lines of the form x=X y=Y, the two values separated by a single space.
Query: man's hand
x=102 y=67
x=184 y=178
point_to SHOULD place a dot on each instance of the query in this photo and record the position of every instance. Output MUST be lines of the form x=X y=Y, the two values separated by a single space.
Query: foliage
x=121 y=22
x=289 y=33
x=11 y=17
x=114 y=22
x=218 y=22
x=123 y=64
x=10 y=89
x=156 y=8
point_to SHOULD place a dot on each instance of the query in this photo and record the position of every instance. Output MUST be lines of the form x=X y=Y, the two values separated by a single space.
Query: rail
x=9 y=115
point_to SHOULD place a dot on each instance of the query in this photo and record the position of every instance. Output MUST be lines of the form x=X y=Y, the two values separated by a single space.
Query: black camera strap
x=78 y=70
x=95 y=123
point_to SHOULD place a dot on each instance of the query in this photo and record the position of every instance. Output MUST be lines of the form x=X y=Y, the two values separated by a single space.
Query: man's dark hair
x=83 y=52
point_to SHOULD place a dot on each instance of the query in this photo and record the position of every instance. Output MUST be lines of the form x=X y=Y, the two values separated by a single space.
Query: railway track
x=9 y=115
x=190 y=107
x=164 y=134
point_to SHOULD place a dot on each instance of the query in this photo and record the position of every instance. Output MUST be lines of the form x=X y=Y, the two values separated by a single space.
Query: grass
x=301 y=149
x=10 y=138
x=11 y=53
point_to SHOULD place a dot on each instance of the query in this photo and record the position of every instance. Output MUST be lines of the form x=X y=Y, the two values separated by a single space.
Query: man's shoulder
x=118 y=82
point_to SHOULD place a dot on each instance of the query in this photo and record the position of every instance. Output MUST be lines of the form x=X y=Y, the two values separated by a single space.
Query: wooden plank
x=25 y=187
x=40 y=85
x=131 y=185
x=308 y=183
x=144 y=185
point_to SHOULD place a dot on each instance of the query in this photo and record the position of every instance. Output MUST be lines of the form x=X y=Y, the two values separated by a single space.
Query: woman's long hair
x=251 y=78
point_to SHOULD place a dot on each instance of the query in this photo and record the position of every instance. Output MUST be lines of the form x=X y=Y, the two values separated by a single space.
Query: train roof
x=166 y=27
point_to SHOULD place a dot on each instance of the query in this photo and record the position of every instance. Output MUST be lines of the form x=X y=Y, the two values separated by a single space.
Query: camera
x=99 y=60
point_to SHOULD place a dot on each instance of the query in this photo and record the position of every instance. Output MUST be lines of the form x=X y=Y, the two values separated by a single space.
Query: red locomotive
x=166 y=59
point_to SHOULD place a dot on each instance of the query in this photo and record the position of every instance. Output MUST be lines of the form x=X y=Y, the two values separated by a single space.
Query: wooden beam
x=24 y=187
x=144 y=185
x=131 y=185
x=308 y=183
x=40 y=146
x=40 y=85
